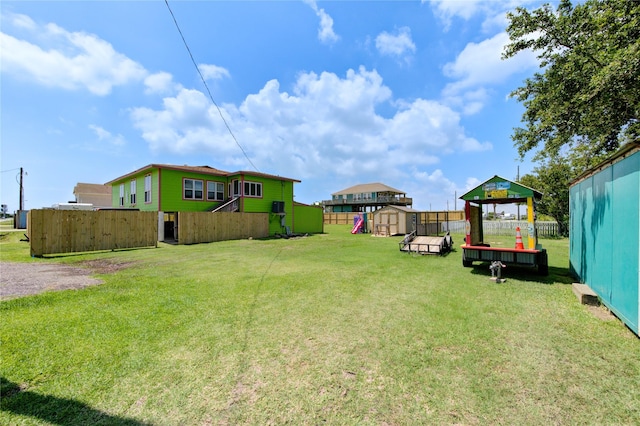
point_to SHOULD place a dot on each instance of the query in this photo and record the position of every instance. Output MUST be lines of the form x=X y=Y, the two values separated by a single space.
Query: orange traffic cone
x=519 y=245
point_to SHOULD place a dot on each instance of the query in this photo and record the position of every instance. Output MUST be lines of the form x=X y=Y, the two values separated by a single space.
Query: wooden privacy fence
x=425 y=217
x=70 y=231
x=206 y=227
x=339 y=218
x=441 y=216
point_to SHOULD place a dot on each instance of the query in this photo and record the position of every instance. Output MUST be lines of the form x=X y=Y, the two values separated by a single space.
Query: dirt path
x=23 y=279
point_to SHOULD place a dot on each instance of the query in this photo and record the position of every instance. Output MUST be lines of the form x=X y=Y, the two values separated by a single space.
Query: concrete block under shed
x=585 y=295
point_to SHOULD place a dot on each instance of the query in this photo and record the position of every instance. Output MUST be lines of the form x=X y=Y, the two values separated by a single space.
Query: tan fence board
x=339 y=218
x=71 y=231
x=206 y=227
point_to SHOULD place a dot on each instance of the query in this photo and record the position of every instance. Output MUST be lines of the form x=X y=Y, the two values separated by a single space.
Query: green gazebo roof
x=498 y=190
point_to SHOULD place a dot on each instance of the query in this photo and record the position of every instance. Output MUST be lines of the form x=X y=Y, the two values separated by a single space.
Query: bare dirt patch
x=24 y=279
x=601 y=312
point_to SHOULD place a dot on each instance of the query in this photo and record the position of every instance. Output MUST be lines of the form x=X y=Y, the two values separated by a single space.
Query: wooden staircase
x=230 y=205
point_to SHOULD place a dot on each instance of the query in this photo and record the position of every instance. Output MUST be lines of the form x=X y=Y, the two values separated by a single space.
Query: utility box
x=277 y=207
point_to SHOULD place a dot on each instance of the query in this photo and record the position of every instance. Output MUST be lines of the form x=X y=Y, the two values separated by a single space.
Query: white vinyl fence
x=505 y=227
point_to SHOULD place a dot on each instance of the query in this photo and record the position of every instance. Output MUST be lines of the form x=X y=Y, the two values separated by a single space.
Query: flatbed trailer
x=498 y=190
x=426 y=244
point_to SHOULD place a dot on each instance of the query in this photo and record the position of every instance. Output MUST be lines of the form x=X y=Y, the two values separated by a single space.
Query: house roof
x=258 y=174
x=92 y=188
x=368 y=187
x=401 y=208
x=206 y=170
x=499 y=190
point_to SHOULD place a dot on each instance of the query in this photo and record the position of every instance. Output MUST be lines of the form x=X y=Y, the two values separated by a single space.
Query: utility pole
x=21 y=190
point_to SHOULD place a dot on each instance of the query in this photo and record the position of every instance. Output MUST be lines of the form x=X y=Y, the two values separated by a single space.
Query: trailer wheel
x=467 y=263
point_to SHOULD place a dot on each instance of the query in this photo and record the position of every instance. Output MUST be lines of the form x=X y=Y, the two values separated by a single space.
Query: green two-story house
x=170 y=189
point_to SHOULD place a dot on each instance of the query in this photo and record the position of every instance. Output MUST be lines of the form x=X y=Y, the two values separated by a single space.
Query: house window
x=147 y=189
x=215 y=191
x=192 y=189
x=252 y=189
x=132 y=195
x=121 y=199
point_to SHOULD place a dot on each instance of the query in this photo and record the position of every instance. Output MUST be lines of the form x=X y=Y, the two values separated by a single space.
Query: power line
x=207 y=87
x=10 y=170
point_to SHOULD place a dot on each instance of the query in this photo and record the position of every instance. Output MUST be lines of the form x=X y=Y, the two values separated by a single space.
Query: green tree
x=553 y=179
x=586 y=98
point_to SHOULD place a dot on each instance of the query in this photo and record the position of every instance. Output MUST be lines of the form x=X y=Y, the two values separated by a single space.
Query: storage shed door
x=393 y=223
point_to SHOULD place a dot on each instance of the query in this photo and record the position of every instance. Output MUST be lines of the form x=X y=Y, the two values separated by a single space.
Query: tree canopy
x=586 y=98
x=553 y=179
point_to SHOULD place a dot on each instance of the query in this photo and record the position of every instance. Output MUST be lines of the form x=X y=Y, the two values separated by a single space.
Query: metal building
x=604 y=232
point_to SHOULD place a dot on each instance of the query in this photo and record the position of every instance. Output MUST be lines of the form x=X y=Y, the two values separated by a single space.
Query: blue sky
x=411 y=94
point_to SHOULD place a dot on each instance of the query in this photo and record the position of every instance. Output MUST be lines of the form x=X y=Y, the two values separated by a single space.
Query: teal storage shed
x=604 y=232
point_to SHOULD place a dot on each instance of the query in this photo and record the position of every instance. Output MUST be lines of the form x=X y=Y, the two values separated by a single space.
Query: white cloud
x=67 y=60
x=493 y=11
x=480 y=65
x=106 y=137
x=213 y=72
x=471 y=183
x=184 y=125
x=325 y=32
x=160 y=83
x=398 y=45
x=327 y=125
x=22 y=21
x=434 y=190
x=446 y=10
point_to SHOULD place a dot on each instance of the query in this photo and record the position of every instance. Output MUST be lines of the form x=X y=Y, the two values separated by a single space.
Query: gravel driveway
x=23 y=279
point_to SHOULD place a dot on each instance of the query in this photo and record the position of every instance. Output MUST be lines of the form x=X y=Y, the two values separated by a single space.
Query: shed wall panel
x=601 y=232
x=626 y=230
x=604 y=246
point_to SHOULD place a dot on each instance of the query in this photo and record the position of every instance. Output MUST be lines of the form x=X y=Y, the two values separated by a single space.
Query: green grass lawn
x=333 y=328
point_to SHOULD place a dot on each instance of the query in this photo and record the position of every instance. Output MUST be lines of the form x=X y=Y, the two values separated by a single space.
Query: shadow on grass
x=54 y=410
x=84 y=253
x=529 y=274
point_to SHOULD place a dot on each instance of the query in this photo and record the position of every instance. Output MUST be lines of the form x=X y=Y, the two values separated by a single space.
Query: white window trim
x=255 y=187
x=217 y=185
x=132 y=194
x=147 y=189
x=121 y=199
x=193 y=189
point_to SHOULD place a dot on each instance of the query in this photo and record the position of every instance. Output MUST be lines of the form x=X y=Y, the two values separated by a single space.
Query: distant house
x=170 y=189
x=93 y=193
x=366 y=197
